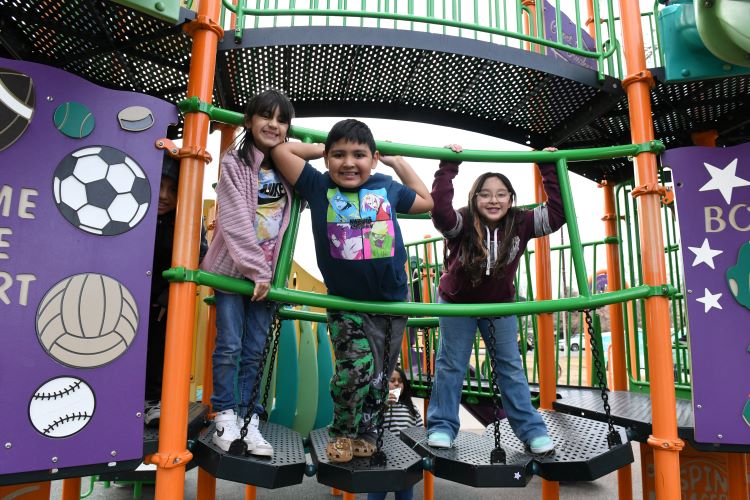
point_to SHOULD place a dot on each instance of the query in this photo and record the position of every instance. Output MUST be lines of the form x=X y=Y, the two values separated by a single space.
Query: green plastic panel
x=166 y=10
x=324 y=414
x=307 y=394
x=287 y=370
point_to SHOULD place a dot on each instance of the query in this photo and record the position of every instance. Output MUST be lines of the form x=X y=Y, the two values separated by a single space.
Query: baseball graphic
x=87 y=320
x=61 y=407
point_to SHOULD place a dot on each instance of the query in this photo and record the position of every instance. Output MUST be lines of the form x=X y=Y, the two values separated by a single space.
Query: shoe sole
x=441 y=445
x=262 y=453
x=221 y=444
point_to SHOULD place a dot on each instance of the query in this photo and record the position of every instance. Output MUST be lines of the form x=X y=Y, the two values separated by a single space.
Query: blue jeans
x=407 y=494
x=241 y=330
x=456 y=342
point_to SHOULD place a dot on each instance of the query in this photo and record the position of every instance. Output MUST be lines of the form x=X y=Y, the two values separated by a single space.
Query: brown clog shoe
x=339 y=449
x=363 y=448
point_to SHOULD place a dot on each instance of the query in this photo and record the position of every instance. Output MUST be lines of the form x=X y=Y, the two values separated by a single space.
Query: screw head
x=8 y=445
x=708 y=4
x=138 y=414
x=54 y=460
x=690 y=291
x=113 y=453
x=720 y=436
x=160 y=6
x=700 y=407
x=148 y=273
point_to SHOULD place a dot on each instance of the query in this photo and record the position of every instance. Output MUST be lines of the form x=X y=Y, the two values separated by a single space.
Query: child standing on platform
x=484 y=243
x=361 y=255
x=254 y=203
x=400 y=414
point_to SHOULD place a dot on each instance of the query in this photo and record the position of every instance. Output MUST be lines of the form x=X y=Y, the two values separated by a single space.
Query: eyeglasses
x=487 y=195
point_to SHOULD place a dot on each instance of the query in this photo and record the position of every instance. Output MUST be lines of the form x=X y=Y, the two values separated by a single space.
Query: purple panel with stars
x=713 y=206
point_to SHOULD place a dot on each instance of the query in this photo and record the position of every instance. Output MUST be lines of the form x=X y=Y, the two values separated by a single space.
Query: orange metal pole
x=545 y=326
x=617 y=361
x=664 y=439
x=348 y=496
x=429 y=485
x=250 y=492
x=206 y=487
x=336 y=492
x=172 y=454
x=71 y=488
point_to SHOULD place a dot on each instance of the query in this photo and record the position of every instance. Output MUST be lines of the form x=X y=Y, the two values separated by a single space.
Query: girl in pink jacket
x=253 y=202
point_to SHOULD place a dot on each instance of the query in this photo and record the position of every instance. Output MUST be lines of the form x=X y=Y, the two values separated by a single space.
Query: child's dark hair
x=264 y=104
x=405 y=397
x=351 y=131
x=473 y=252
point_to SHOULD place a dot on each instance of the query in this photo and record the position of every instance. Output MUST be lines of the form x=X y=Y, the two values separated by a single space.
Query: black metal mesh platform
x=402 y=470
x=285 y=468
x=468 y=462
x=581 y=454
x=633 y=410
x=196 y=422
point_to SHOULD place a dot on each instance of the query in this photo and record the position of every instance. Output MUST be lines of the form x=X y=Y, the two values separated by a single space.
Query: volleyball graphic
x=61 y=407
x=17 y=99
x=87 y=320
x=101 y=190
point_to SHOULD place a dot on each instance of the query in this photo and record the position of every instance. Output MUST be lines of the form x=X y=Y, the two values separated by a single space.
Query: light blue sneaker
x=439 y=440
x=541 y=445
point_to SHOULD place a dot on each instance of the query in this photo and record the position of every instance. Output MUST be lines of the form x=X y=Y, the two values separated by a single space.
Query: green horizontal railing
x=495 y=21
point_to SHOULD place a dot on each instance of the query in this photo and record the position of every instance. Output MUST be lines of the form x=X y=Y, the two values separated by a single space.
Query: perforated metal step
x=285 y=468
x=468 y=462
x=581 y=454
x=196 y=422
x=402 y=470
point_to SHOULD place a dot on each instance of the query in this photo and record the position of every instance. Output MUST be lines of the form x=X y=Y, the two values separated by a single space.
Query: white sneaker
x=226 y=429
x=256 y=444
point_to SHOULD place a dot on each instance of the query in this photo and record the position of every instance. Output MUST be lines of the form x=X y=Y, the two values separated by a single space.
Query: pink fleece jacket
x=234 y=250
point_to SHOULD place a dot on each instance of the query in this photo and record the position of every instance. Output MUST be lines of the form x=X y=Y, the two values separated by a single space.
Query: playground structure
x=527 y=86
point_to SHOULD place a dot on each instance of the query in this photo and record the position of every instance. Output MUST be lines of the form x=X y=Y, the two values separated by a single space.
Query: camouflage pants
x=358 y=344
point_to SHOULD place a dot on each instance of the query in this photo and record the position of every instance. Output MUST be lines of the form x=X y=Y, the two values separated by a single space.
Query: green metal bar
x=286 y=253
x=572 y=223
x=242 y=286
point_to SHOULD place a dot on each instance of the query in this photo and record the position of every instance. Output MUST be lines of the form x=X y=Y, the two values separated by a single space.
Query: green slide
x=724 y=27
x=287 y=370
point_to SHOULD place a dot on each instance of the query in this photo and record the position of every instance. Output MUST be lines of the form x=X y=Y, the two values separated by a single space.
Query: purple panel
x=712 y=196
x=42 y=249
x=569 y=37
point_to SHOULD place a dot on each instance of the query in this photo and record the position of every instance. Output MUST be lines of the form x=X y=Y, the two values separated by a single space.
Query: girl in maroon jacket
x=485 y=241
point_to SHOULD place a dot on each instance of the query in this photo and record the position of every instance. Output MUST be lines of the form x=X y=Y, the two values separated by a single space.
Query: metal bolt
x=148 y=273
x=113 y=453
x=54 y=460
x=700 y=407
x=720 y=436
x=690 y=291
x=138 y=414
x=160 y=143
x=177 y=460
x=8 y=445
x=708 y=4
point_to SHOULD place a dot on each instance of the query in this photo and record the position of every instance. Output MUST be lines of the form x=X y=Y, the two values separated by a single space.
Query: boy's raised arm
x=423 y=202
x=290 y=158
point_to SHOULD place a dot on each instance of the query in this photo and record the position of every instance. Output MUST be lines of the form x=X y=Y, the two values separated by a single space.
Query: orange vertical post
x=545 y=327
x=427 y=478
x=348 y=496
x=172 y=454
x=664 y=440
x=250 y=492
x=617 y=361
x=71 y=488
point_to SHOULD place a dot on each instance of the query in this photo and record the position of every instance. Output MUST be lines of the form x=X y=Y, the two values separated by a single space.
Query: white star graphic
x=517 y=475
x=725 y=180
x=710 y=300
x=705 y=254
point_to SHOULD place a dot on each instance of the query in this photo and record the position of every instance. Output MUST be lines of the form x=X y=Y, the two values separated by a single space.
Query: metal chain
x=498 y=454
x=276 y=328
x=239 y=446
x=613 y=437
x=379 y=458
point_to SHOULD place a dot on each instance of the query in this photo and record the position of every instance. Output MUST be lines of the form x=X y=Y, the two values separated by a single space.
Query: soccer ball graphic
x=101 y=190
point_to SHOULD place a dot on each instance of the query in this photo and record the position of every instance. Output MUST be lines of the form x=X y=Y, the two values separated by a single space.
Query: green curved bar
x=724 y=27
x=419 y=19
x=286 y=296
